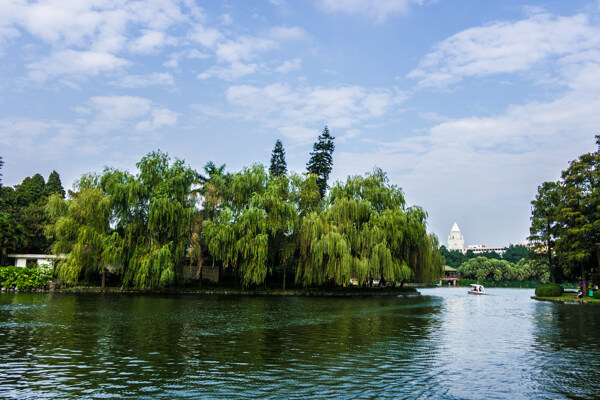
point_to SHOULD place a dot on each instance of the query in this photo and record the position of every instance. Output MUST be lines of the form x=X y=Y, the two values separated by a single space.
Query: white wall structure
x=456 y=240
x=482 y=248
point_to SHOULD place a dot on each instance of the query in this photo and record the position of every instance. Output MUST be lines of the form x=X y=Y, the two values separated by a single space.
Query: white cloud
x=376 y=9
x=150 y=42
x=295 y=111
x=289 y=66
x=244 y=48
x=111 y=113
x=282 y=33
x=207 y=37
x=142 y=81
x=506 y=47
x=230 y=73
x=237 y=56
x=75 y=64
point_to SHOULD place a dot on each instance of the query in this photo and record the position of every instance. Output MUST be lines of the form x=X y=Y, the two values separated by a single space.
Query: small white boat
x=477 y=289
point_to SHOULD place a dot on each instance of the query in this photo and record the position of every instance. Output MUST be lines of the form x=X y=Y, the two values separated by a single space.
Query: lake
x=444 y=344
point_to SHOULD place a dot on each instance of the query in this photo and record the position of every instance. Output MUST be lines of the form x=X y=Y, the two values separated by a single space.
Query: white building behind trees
x=456 y=241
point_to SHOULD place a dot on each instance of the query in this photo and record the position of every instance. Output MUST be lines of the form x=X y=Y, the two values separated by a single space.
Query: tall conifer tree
x=1 y=164
x=321 y=160
x=278 y=165
x=54 y=185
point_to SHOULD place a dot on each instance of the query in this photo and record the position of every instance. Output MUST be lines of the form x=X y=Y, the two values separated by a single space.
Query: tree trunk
x=552 y=277
x=199 y=272
x=584 y=289
x=284 y=279
x=103 y=277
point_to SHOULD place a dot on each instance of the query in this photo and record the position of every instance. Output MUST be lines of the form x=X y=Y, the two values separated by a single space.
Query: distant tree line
x=512 y=266
x=256 y=225
x=512 y=254
x=565 y=221
x=22 y=215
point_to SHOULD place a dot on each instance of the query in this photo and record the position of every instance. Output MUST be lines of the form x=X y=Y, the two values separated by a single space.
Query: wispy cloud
x=506 y=47
x=75 y=64
x=379 y=10
x=294 y=111
x=142 y=81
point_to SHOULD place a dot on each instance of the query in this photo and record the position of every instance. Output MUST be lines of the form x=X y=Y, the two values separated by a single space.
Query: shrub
x=24 y=278
x=549 y=291
x=597 y=294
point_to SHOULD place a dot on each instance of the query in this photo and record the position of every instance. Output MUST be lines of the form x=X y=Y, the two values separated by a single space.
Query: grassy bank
x=568 y=298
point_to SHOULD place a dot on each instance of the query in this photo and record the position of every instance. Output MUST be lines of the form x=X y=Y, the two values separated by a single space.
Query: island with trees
x=261 y=227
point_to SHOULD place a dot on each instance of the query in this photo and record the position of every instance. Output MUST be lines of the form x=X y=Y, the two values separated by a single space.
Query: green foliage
x=321 y=160
x=366 y=233
x=514 y=254
x=23 y=217
x=597 y=294
x=54 y=186
x=24 y=278
x=278 y=165
x=549 y=291
x=565 y=222
x=81 y=231
x=153 y=215
x=452 y=258
x=483 y=268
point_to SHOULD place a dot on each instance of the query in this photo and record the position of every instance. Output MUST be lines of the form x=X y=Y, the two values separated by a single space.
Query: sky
x=468 y=105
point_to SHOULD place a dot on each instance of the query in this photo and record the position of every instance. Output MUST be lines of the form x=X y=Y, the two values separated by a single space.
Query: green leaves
x=23 y=278
x=565 y=220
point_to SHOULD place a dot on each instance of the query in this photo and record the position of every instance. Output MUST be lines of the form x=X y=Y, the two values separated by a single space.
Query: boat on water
x=477 y=289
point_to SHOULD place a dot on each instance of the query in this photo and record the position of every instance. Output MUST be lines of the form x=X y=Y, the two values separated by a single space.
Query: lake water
x=443 y=344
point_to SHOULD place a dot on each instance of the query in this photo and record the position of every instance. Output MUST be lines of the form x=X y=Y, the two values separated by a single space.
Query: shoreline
x=230 y=292
x=566 y=300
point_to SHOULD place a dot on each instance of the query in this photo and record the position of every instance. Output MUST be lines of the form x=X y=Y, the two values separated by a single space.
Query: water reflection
x=444 y=344
x=566 y=343
x=62 y=345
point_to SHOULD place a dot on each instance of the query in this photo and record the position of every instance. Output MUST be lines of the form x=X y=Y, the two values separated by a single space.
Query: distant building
x=456 y=240
x=450 y=276
x=482 y=248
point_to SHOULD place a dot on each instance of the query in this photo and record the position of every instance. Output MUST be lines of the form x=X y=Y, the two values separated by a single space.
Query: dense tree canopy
x=514 y=254
x=22 y=215
x=367 y=233
x=483 y=268
x=565 y=221
x=257 y=225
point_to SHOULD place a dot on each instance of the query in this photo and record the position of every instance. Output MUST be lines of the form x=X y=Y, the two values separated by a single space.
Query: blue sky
x=468 y=105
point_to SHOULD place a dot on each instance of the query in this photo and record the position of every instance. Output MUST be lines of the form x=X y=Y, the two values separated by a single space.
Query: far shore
x=341 y=292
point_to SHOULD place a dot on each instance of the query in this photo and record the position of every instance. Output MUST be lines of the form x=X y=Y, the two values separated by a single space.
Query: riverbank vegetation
x=257 y=226
x=24 y=278
x=565 y=222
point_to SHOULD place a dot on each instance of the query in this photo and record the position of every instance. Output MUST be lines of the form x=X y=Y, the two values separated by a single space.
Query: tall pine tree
x=54 y=185
x=278 y=165
x=321 y=160
x=1 y=164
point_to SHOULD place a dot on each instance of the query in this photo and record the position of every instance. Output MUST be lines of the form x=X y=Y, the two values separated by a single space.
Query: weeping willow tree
x=82 y=232
x=238 y=236
x=154 y=212
x=214 y=193
x=367 y=233
x=255 y=232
